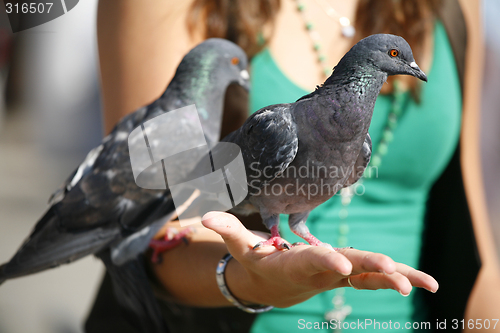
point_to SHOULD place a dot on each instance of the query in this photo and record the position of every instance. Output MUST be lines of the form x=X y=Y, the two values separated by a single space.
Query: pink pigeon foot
x=275 y=240
x=172 y=239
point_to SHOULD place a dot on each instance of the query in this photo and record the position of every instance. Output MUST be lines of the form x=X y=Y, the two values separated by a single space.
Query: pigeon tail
x=48 y=246
x=2 y=280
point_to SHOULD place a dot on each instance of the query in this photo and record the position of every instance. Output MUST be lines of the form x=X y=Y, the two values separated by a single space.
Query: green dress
x=388 y=216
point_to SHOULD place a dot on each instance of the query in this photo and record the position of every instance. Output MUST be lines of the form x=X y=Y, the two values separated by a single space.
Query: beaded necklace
x=347 y=29
x=340 y=309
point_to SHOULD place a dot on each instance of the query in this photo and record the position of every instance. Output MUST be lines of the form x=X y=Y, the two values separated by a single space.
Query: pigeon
x=298 y=155
x=101 y=210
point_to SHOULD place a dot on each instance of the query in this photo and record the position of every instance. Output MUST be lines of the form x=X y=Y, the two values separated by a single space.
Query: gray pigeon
x=298 y=155
x=100 y=209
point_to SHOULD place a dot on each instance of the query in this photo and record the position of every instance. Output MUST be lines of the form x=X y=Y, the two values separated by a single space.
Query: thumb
x=239 y=240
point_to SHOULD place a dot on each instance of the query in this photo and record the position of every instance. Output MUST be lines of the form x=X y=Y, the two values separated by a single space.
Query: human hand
x=285 y=278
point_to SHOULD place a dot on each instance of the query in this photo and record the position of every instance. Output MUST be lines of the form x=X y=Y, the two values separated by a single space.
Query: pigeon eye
x=393 y=53
x=235 y=61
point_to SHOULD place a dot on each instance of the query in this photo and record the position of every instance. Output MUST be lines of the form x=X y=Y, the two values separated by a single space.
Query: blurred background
x=490 y=122
x=50 y=118
x=50 y=111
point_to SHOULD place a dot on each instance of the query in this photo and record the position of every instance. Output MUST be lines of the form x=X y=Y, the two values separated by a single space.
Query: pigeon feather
x=299 y=155
x=100 y=209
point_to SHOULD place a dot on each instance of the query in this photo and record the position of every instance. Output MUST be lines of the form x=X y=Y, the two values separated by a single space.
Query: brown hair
x=241 y=21
x=410 y=19
x=245 y=21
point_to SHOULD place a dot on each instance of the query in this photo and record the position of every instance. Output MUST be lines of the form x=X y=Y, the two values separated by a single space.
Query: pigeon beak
x=244 y=80
x=417 y=72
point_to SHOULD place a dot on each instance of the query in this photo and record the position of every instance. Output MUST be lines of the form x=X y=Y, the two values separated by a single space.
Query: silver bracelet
x=221 y=282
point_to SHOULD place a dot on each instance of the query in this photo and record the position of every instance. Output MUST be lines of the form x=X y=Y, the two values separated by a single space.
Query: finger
x=312 y=260
x=239 y=240
x=418 y=278
x=366 y=262
x=374 y=281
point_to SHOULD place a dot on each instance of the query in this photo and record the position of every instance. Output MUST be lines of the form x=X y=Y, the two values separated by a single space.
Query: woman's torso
x=387 y=215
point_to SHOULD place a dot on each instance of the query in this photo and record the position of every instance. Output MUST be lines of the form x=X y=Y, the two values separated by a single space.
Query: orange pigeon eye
x=235 y=61
x=394 y=53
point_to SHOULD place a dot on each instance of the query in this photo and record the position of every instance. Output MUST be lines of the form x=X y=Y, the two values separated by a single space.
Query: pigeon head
x=382 y=53
x=214 y=64
x=388 y=53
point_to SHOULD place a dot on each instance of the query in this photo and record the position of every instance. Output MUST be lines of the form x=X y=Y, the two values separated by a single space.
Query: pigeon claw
x=173 y=238
x=278 y=242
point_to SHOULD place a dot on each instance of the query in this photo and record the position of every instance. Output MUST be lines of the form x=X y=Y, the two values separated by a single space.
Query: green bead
x=387 y=135
x=327 y=71
x=382 y=148
x=397 y=92
x=343 y=229
x=309 y=26
x=338 y=301
x=321 y=58
x=392 y=125
x=392 y=121
x=376 y=161
x=343 y=213
x=398 y=97
x=397 y=109
x=317 y=46
x=346 y=201
x=342 y=241
x=301 y=7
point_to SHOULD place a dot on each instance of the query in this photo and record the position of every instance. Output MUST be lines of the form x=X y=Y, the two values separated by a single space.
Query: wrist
x=235 y=284
x=239 y=282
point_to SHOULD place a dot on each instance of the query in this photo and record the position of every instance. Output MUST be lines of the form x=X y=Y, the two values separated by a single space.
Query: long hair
x=411 y=19
x=249 y=23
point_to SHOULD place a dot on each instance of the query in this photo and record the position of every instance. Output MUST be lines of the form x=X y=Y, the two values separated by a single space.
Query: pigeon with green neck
x=298 y=155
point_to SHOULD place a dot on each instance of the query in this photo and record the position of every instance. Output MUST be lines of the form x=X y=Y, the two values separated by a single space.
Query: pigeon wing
x=361 y=162
x=97 y=205
x=268 y=142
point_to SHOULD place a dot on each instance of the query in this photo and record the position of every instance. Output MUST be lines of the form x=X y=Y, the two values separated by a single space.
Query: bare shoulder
x=473 y=19
x=470 y=160
x=471 y=10
x=163 y=23
x=141 y=43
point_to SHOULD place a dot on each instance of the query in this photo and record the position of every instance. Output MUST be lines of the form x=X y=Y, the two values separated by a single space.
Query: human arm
x=271 y=277
x=484 y=301
x=140 y=45
x=188 y=272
